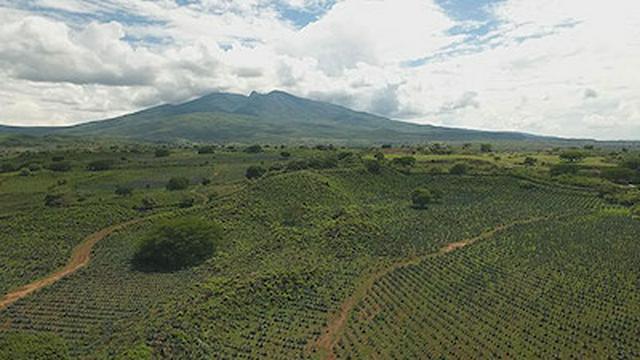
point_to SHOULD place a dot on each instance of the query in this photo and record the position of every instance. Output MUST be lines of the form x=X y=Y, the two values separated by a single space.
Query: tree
x=7 y=167
x=564 y=169
x=148 y=203
x=486 y=148
x=254 y=172
x=176 y=244
x=100 y=165
x=406 y=161
x=253 y=149
x=373 y=166
x=573 y=155
x=635 y=211
x=54 y=200
x=162 y=152
x=208 y=149
x=60 y=166
x=285 y=154
x=621 y=175
x=123 y=190
x=632 y=163
x=459 y=169
x=421 y=198
x=178 y=183
x=379 y=156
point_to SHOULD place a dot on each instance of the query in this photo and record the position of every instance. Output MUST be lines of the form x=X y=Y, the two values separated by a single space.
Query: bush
x=60 y=166
x=254 y=172
x=459 y=169
x=635 y=211
x=373 y=166
x=621 y=175
x=176 y=244
x=530 y=161
x=253 y=149
x=486 y=148
x=54 y=200
x=162 y=152
x=564 y=169
x=421 y=198
x=379 y=156
x=572 y=155
x=406 y=161
x=123 y=190
x=57 y=158
x=26 y=345
x=178 y=183
x=100 y=165
x=285 y=154
x=148 y=203
x=7 y=167
x=187 y=202
x=209 y=149
x=25 y=172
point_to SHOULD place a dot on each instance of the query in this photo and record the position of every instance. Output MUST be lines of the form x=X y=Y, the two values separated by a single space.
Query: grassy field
x=324 y=255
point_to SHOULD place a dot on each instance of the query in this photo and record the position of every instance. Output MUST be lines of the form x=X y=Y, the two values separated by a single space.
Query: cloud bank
x=557 y=67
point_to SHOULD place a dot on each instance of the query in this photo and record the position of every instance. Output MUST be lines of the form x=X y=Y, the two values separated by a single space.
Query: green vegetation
x=176 y=244
x=435 y=251
x=178 y=183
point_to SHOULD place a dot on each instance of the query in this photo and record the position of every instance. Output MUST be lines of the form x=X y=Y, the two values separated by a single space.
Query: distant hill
x=276 y=117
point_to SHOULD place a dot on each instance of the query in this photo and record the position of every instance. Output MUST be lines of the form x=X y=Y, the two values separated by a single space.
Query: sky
x=555 y=67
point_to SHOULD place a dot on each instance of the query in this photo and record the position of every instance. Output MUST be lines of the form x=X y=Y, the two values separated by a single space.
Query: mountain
x=276 y=117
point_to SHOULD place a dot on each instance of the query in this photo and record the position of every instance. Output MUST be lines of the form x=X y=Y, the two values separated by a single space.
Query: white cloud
x=561 y=67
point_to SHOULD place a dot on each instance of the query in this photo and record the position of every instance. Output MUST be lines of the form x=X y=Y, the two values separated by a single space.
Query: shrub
x=632 y=163
x=379 y=156
x=178 y=183
x=54 y=200
x=60 y=166
x=27 y=345
x=254 y=172
x=564 y=169
x=635 y=211
x=123 y=190
x=530 y=161
x=421 y=198
x=34 y=167
x=285 y=154
x=100 y=165
x=253 y=149
x=57 y=158
x=176 y=244
x=209 y=149
x=7 y=167
x=486 y=148
x=406 y=161
x=162 y=152
x=459 y=169
x=187 y=202
x=25 y=172
x=205 y=181
x=148 y=203
x=621 y=175
x=373 y=166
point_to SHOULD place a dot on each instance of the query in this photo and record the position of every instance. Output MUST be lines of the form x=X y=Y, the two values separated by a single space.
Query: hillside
x=276 y=117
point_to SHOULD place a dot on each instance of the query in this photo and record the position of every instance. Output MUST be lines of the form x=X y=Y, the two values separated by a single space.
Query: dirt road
x=79 y=258
x=331 y=334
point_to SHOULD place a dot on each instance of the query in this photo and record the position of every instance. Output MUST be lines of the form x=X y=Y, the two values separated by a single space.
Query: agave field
x=328 y=262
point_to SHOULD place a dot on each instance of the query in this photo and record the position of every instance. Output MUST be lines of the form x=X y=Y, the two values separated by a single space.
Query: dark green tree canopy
x=178 y=183
x=176 y=244
x=254 y=172
x=422 y=197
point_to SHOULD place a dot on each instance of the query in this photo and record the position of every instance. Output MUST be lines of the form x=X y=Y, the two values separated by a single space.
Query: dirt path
x=331 y=334
x=79 y=258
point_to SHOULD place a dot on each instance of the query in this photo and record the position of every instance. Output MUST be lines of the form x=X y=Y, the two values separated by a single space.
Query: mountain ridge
x=277 y=117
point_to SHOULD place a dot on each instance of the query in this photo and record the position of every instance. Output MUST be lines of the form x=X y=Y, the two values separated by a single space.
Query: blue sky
x=557 y=67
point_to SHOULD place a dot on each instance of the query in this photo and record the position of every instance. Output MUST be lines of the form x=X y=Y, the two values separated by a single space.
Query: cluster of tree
x=207 y=149
x=176 y=244
x=422 y=197
x=178 y=183
x=100 y=165
x=253 y=149
x=162 y=152
x=573 y=155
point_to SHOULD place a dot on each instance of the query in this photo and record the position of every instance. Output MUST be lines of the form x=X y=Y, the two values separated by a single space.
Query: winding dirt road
x=331 y=334
x=79 y=258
